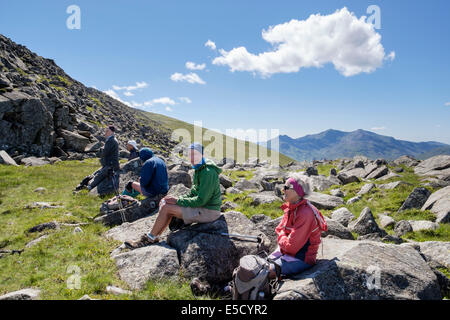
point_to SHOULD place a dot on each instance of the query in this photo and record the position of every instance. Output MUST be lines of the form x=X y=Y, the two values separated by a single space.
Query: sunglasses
x=286 y=188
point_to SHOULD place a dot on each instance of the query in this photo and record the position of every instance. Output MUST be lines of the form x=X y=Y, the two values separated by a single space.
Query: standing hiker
x=154 y=180
x=299 y=231
x=201 y=204
x=109 y=161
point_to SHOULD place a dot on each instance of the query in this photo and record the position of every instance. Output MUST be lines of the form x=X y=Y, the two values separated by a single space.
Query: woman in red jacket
x=299 y=230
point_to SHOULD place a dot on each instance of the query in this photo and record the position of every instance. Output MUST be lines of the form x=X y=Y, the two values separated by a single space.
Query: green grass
x=324 y=169
x=47 y=264
x=97 y=101
x=236 y=175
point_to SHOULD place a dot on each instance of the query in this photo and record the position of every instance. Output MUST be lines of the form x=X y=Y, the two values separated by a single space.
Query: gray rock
x=321 y=183
x=227 y=206
x=244 y=184
x=406 y=160
x=233 y=190
x=336 y=229
x=40 y=190
x=333 y=172
x=353 y=200
x=439 y=204
x=268 y=228
x=117 y=291
x=6 y=159
x=418 y=225
x=416 y=199
x=377 y=173
x=346 y=178
x=366 y=189
x=225 y=181
x=388 y=176
x=343 y=216
x=94 y=147
x=24 y=294
x=177 y=177
x=33 y=161
x=36 y=241
x=386 y=221
x=263 y=198
x=392 y=185
x=436 y=252
x=337 y=193
x=214 y=257
x=259 y=218
x=365 y=223
x=324 y=201
x=311 y=171
x=402 y=227
x=363 y=270
x=154 y=262
x=74 y=140
x=438 y=166
x=43 y=226
x=178 y=190
x=370 y=237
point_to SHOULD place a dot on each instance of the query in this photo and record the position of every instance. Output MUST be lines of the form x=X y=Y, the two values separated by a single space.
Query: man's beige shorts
x=201 y=215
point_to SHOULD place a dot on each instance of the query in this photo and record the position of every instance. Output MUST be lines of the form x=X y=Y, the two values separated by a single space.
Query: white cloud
x=447 y=104
x=139 y=85
x=128 y=93
x=189 y=77
x=169 y=109
x=164 y=100
x=192 y=66
x=210 y=44
x=114 y=95
x=352 y=45
x=378 y=128
x=185 y=99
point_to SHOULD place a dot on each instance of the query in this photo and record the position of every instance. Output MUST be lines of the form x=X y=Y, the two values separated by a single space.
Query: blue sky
x=399 y=88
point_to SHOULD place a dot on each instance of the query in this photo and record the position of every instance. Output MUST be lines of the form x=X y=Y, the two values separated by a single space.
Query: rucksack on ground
x=251 y=279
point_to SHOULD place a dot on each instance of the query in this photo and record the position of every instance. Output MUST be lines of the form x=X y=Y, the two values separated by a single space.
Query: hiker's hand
x=170 y=200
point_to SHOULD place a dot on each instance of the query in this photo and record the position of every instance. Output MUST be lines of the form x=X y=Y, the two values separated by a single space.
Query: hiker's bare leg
x=137 y=186
x=166 y=212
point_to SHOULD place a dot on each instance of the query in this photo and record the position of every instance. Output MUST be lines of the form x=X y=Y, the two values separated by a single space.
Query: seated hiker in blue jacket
x=154 y=181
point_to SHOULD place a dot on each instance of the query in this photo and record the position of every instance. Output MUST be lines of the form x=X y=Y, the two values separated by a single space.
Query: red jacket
x=299 y=232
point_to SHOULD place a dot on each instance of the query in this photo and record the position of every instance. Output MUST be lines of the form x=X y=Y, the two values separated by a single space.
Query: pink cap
x=298 y=188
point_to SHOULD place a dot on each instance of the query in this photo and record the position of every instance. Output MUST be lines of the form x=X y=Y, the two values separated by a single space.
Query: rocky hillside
x=334 y=144
x=44 y=112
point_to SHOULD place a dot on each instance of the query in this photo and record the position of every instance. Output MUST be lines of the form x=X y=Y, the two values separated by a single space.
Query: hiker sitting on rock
x=153 y=181
x=201 y=204
x=109 y=161
x=133 y=149
x=299 y=231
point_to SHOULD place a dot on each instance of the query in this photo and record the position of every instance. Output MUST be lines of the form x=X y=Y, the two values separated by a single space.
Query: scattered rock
x=346 y=179
x=24 y=294
x=323 y=201
x=77 y=230
x=439 y=204
x=436 y=252
x=353 y=200
x=402 y=227
x=33 y=161
x=225 y=181
x=418 y=225
x=267 y=227
x=244 y=184
x=337 y=193
x=365 y=223
x=343 y=216
x=379 y=172
x=40 y=190
x=386 y=221
x=36 y=241
x=366 y=189
x=43 y=226
x=336 y=229
x=117 y=291
x=6 y=159
x=227 y=206
x=233 y=190
x=438 y=166
x=406 y=160
x=392 y=185
x=263 y=198
x=177 y=177
x=416 y=199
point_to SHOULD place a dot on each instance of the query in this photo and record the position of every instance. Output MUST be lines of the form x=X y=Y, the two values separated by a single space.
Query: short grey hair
x=303 y=181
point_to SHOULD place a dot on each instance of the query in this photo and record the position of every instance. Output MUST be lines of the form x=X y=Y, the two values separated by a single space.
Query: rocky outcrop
x=24 y=294
x=439 y=204
x=365 y=223
x=438 y=166
x=416 y=199
x=363 y=270
x=324 y=201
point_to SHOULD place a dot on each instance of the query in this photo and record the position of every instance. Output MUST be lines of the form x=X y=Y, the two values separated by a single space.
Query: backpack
x=114 y=204
x=322 y=224
x=251 y=281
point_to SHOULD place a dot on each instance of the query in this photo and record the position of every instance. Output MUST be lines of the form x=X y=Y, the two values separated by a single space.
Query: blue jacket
x=154 y=179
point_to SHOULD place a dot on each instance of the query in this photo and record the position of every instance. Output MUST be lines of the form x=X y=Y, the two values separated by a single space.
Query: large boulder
x=213 y=257
x=438 y=166
x=322 y=183
x=225 y=181
x=406 y=160
x=343 y=216
x=439 y=204
x=365 y=223
x=419 y=225
x=416 y=199
x=336 y=229
x=6 y=159
x=263 y=197
x=26 y=124
x=366 y=189
x=363 y=270
x=74 y=141
x=33 y=161
x=324 y=201
x=267 y=226
x=24 y=294
x=436 y=252
x=378 y=173
x=245 y=184
x=179 y=176
x=153 y=262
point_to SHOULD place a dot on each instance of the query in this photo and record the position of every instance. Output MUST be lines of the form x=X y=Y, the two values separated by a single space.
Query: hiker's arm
x=205 y=191
x=279 y=229
x=146 y=173
x=297 y=238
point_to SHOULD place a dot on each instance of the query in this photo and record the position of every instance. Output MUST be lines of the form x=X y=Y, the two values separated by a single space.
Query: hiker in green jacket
x=201 y=204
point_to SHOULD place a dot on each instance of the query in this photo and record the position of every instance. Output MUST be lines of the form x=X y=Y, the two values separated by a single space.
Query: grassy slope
x=46 y=264
x=174 y=124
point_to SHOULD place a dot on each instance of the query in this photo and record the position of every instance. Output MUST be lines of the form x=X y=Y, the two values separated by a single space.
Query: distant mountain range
x=333 y=144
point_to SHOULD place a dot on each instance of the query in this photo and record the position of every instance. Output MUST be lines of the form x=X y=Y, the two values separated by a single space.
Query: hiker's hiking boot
x=146 y=240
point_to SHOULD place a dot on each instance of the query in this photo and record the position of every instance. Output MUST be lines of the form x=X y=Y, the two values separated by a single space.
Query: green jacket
x=205 y=191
